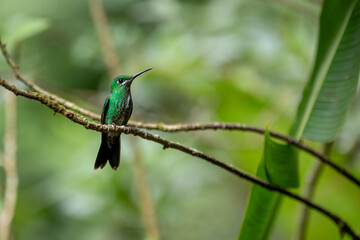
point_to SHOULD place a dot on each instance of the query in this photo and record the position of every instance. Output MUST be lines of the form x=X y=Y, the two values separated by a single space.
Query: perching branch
x=58 y=108
x=60 y=105
x=180 y=127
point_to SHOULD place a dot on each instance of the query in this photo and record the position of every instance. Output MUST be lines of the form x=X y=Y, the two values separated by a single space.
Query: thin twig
x=309 y=192
x=236 y=126
x=10 y=169
x=58 y=108
x=181 y=127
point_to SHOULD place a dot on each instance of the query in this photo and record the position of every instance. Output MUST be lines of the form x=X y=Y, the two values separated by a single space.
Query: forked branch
x=179 y=127
x=62 y=106
x=58 y=108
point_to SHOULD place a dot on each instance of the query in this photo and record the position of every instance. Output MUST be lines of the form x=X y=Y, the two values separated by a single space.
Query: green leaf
x=333 y=82
x=279 y=166
x=322 y=111
x=260 y=210
x=281 y=163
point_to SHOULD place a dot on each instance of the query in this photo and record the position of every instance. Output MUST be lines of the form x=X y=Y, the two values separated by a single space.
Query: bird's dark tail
x=105 y=153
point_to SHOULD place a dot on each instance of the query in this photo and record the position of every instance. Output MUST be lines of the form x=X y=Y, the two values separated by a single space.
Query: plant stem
x=9 y=164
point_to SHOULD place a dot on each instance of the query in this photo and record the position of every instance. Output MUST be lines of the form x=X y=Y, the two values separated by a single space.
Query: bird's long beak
x=138 y=74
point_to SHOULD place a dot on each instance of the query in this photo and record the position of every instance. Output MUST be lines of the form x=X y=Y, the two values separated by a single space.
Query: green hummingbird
x=117 y=110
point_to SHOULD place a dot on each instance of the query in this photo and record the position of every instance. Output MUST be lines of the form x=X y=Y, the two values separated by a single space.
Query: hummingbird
x=117 y=110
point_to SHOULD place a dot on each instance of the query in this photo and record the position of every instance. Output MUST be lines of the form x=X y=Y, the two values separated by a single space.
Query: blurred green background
x=242 y=61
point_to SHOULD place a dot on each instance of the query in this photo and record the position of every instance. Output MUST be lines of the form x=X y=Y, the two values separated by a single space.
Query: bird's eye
x=119 y=81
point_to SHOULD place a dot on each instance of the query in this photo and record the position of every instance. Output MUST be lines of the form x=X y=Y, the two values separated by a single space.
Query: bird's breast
x=119 y=111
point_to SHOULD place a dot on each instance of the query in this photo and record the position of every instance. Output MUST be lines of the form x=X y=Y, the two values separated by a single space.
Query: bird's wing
x=105 y=109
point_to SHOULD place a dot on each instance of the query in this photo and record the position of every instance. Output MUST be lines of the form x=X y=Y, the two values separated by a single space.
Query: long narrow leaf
x=332 y=86
x=322 y=111
x=260 y=210
x=281 y=163
x=279 y=166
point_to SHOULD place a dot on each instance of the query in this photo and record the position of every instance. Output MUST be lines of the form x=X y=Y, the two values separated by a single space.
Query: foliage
x=323 y=109
x=279 y=166
x=335 y=76
x=239 y=61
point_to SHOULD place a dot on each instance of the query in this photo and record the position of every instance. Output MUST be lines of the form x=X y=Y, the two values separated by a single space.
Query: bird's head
x=124 y=81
